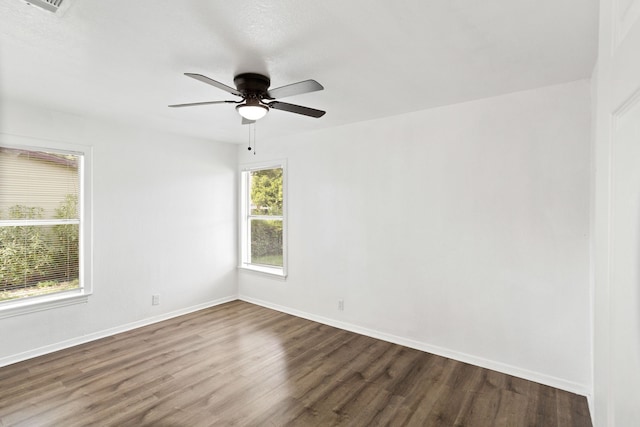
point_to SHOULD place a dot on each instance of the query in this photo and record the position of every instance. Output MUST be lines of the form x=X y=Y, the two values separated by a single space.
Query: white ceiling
x=124 y=60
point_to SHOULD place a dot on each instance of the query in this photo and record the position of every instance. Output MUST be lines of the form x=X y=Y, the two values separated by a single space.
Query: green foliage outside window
x=266 y=192
x=266 y=242
x=39 y=256
x=24 y=253
x=65 y=252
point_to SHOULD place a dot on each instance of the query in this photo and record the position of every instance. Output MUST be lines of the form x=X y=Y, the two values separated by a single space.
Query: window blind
x=39 y=222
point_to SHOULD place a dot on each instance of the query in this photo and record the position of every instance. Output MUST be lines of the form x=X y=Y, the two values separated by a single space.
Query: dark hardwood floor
x=241 y=364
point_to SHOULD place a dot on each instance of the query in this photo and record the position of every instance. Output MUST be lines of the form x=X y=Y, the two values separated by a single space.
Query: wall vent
x=50 y=5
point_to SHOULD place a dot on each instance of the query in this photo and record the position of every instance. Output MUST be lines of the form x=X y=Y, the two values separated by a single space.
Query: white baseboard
x=108 y=332
x=515 y=371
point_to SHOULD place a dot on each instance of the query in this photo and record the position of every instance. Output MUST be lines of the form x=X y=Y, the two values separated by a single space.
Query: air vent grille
x=50 y=5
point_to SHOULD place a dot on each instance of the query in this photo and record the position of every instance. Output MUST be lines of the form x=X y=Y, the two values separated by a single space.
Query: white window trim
x=76 y=296
x=243 y=246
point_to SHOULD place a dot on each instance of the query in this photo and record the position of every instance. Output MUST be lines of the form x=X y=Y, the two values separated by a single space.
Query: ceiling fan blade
x=247 y=121
x=214 y=83
x=295 y=89
x=192 y=104
x=298 y=109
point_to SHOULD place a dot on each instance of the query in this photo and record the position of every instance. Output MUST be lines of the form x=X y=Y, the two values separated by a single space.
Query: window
x=43 y=221
x=263 y=223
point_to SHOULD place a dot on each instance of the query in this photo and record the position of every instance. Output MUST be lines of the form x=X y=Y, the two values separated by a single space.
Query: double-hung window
x=263 y=228
x=44 y=244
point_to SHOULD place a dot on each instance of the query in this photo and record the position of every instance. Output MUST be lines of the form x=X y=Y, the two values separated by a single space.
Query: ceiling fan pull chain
x=252 y=126
x=254 y=138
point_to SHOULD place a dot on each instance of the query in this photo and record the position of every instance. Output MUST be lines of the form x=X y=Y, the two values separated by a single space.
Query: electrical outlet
x=155 y=300
x=341 y=304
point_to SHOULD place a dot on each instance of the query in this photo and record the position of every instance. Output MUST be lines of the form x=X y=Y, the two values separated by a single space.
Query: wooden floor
x=240 y=364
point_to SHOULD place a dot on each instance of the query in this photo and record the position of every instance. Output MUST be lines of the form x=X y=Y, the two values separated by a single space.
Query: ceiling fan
x=257 y=98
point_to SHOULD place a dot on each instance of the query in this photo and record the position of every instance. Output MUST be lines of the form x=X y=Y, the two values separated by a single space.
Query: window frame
x=81 y=295
x=244 y=245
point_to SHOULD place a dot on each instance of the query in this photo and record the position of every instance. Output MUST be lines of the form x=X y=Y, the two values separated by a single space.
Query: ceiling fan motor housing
x=252 y=85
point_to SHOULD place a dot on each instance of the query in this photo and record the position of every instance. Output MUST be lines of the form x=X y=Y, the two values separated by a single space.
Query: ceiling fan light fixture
x=252 y=110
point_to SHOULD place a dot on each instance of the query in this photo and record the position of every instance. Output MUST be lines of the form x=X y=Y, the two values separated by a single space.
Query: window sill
x=18 y=308
x=274 y=273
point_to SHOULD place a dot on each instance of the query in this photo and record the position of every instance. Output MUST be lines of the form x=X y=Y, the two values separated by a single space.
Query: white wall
x=460 y=230
x=164 y=222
